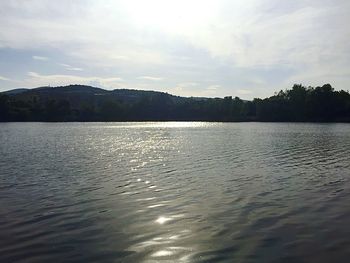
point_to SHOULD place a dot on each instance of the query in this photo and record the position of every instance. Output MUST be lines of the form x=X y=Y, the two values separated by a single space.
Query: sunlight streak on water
x=170 y=124
x=161 y=220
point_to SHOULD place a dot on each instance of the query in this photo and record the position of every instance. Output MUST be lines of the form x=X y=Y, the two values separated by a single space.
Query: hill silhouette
x=86 y=103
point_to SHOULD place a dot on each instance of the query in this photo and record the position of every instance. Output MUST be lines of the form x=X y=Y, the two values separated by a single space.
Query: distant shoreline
x=78 y=103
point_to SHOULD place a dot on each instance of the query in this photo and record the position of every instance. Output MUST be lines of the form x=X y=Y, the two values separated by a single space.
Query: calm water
x=174 y=192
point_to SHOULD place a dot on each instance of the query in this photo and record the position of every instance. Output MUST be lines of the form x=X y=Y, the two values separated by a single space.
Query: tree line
x=298 y=104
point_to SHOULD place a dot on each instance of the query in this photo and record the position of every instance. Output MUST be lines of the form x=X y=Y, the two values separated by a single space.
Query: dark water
x=174 y=192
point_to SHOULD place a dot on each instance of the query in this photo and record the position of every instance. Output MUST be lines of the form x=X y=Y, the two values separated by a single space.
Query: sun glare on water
x=161 y=220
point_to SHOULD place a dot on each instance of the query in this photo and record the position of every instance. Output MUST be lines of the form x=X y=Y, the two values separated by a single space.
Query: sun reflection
x=161 y=220
x=163 y=253
x=169 y=124
x=166 y=247
x=154 y=206
x=174 y=237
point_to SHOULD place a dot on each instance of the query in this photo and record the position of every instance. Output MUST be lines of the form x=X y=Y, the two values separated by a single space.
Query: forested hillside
x=85 y=103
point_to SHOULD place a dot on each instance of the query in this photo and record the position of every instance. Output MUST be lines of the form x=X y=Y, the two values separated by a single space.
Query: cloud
x=74 y=69
x=188 y=84
x=150 y=78
x=36 y=80
x=72 y=27
x=69 y=67
x=40 y=58
x=253 y=37
x=243 y=45
x=190 y=88
x=3 y=78
x=213 y=87
x=185 y=85
x=33 y=74
x=252 y=34
x=244 y=92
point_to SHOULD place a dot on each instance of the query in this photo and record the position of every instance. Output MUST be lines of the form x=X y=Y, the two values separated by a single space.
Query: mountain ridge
x=81 y=88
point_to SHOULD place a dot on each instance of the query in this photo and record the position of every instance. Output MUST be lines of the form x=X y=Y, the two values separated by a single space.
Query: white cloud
x=3 y=78
x=150 y=78
x=190 y=89
x=33 y=74
x=69 y=67
x=188 y=84
x=244 y=92
x=75 y=69
x=36 y=80
x=252 y=38
x=188 y=41
x=40 y=58
x=247 y=33
x=214 y=87
x=185 y=85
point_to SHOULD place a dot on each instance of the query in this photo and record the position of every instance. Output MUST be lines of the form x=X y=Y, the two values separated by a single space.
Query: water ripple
x=174 y=192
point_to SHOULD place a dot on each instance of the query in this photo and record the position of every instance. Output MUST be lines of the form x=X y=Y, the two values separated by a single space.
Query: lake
x=174 y=192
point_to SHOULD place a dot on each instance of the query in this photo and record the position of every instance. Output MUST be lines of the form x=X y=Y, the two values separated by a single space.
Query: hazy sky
x=245 y=48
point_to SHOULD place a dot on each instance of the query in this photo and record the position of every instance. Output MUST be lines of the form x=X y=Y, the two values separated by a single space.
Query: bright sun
x=169 y=15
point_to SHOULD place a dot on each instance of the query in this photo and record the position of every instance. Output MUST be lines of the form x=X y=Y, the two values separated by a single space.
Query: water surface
x=174 y=192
